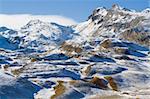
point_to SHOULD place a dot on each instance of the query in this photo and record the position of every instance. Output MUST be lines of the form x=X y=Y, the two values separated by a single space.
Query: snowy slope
x=114 y=22
x=13 y=88
x=44 y=35
x=38 y=35
x=6 y=44
x=107 y=56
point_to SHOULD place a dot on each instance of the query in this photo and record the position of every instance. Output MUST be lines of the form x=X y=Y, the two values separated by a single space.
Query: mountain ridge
x=107 y=56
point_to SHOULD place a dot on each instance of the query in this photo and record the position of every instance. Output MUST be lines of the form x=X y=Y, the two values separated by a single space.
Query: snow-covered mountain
x=107 y=56
x=44 y=35
x=39 y=35
x=8 y=39
x=116 y=22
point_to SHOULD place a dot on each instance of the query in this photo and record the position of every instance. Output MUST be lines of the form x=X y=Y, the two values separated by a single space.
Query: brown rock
x=106 y=44
x=120 y=50
x=70 y=48
x=33 y=59
x=112 y=83
x=99 y=82
x=59 y=90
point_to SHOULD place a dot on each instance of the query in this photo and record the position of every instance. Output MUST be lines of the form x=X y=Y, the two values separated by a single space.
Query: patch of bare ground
x=59 y=90
x=107 y=97
x=112 y=83
x=99 y=82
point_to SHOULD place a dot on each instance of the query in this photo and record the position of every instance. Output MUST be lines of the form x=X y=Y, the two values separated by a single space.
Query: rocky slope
x=105 y=57
x=118 y=23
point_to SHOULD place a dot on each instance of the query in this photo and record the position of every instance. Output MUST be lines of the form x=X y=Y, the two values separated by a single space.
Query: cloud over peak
x=18 y=20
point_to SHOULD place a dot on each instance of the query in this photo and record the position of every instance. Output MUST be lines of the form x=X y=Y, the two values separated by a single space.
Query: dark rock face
x=56 y=57
x=111 y=71
x=124 y=57
x=97 y=58
x=60 y=73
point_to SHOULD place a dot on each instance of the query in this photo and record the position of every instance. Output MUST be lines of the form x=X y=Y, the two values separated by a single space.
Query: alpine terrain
x=105 y=57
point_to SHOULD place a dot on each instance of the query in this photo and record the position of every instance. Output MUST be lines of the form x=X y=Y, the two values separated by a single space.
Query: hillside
x=106 y=57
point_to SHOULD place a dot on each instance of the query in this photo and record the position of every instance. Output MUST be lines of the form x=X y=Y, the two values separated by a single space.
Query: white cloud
x=19 y=20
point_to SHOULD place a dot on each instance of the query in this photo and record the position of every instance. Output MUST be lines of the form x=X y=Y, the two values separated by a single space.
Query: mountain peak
x=100 y=8
x=116 y=7
x=34 y=22
x=147 y=10
x=3 y=28
x=100 y=11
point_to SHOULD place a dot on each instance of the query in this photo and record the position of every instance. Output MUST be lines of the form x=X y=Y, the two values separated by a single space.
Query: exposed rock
x=33 y=59
x=59 y=90
x=101 y=83
x=69 y=48
x=123 y=57
x=17 y=72
x=106 y=43
x=138 y=37
x=100 y=58
x=112 y=83
x=59 y=56
x=120 y=50
x=87 y=70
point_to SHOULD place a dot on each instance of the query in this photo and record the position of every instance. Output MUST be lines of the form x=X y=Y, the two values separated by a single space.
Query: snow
x=5 y=44
x=56 y=57
x=97 y=58
x=11 y=87
x=16 y=21
x=33 y=62
x=45 y=94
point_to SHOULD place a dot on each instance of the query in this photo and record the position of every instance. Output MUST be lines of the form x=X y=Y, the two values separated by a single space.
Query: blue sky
x=78 y=10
